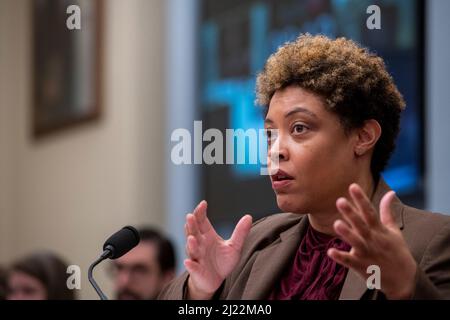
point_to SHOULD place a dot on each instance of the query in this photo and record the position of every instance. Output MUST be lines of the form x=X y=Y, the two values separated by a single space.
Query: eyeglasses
x=137 y=271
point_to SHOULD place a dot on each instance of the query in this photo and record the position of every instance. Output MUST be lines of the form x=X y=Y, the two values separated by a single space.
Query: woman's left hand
x=375 y=240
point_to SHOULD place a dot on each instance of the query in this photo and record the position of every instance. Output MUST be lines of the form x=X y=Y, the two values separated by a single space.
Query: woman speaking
x=332 y=116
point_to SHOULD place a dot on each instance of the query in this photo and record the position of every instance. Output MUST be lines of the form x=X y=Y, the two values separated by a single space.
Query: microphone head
x=121 y=242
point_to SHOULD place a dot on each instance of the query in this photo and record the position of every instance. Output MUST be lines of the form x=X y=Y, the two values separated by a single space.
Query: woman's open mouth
x=280 y=180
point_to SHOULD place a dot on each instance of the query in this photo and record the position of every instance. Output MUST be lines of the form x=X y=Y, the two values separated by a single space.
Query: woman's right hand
x=210 y=258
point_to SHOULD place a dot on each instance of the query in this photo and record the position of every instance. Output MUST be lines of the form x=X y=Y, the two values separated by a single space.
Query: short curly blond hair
x=353 y=83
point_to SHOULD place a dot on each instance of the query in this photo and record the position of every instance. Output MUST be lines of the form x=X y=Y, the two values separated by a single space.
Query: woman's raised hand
x=210 y=258
x=375 y=240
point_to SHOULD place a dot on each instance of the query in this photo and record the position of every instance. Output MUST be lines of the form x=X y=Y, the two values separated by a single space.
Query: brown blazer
x=274 y=240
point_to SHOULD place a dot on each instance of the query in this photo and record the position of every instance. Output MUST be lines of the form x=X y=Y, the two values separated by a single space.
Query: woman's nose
x=278 y=150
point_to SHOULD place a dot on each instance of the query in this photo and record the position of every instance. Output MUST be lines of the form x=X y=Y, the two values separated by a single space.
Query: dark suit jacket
x=274 y=240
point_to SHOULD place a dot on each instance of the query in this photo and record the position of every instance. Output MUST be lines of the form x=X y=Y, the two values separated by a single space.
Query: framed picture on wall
x=67 y=43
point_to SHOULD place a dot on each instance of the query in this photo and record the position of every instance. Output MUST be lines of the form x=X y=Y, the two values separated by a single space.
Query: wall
x=7 y=167
x=69 y=191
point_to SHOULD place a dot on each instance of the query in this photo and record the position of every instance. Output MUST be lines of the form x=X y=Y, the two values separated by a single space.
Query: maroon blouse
x=313 y=275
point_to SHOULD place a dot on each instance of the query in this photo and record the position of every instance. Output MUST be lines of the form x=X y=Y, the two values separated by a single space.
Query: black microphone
x=116 y=246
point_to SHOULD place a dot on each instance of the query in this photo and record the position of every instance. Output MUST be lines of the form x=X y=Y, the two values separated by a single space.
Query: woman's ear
x=367 y=137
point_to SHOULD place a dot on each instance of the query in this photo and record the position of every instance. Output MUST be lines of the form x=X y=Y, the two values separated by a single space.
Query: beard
x=126 y=294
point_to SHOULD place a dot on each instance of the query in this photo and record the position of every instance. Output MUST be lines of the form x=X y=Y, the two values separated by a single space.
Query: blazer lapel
x=355 y=286
x=271 y=261
x=397 y=206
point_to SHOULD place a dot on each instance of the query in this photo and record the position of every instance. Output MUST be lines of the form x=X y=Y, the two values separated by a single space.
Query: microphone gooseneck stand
x=105 y=255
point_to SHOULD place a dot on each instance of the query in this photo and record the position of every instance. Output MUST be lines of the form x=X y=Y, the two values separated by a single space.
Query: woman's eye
x=299 y=128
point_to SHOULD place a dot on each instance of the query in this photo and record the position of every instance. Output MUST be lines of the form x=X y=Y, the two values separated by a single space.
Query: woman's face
x=25 y=287
x=315 y=155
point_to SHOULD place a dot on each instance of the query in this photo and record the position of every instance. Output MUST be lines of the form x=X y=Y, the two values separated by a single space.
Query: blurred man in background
x=145 y=270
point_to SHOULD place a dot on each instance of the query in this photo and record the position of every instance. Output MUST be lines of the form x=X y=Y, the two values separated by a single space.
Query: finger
x=354 y=219
x=345 y=258
x=192 y=248
x=186 y=232
x=200 y=210
x=241 y=231
x=192 y=225
x=385 y=210
x=363 y=204
x=349 y=206
x=202 y=220
x=348 y=235
x=193 y=267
